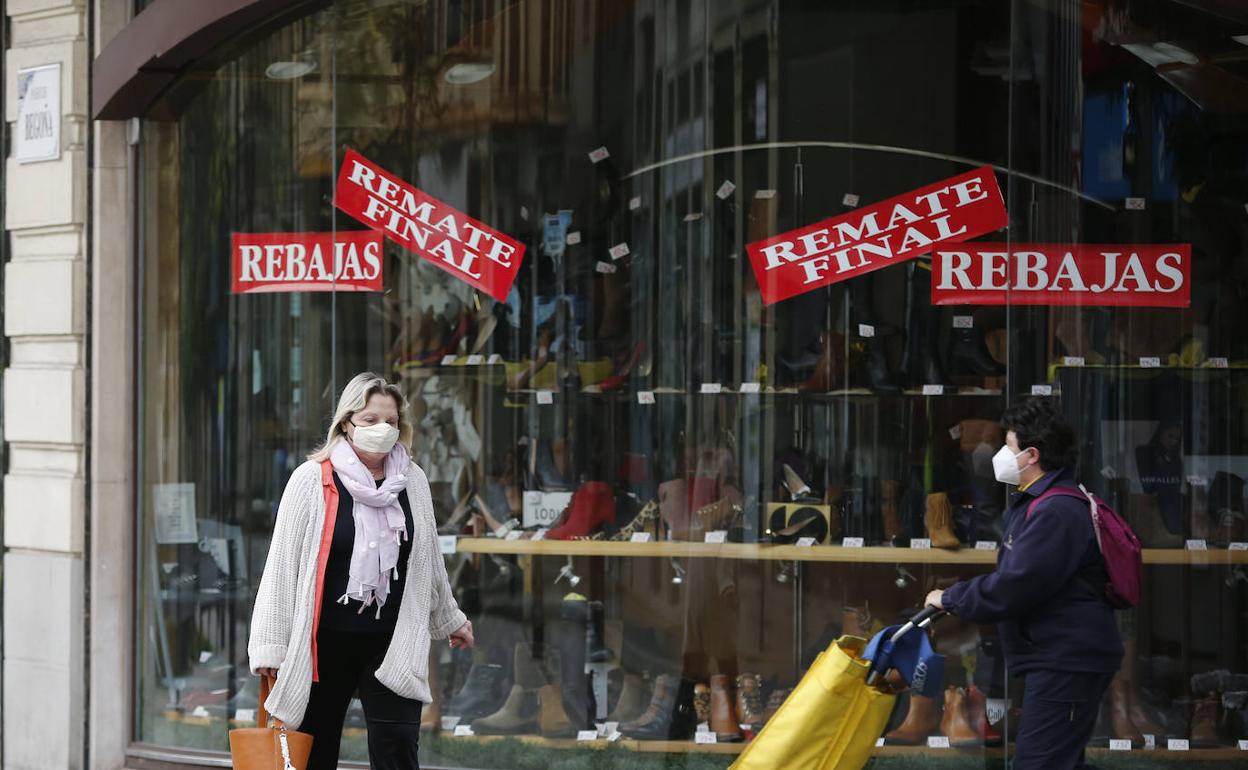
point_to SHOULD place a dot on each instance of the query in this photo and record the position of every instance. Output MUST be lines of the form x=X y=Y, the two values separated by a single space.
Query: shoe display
x=890 y=498
x=670 y=715
x=1121 y=724
x=702 y=702
x=572 y=640
x=789 y=522
x=724 y=722
x=595 y=650
x=830 y=368
x=1204 y=725
x=775 y=701
x=644 y=521
x=977 y=716
x=968 y=354
x=750 y=700
x=518 y=714
x=553 y=718
x=592 y=505
x=938 y=520
x=483 y=692
x=799 y=491
x=955 y=723
x=632 y=700
x=922 y=720
x=1226 y=506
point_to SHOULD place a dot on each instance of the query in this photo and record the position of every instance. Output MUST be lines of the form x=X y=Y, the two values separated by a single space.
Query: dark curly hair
x=1039 y=423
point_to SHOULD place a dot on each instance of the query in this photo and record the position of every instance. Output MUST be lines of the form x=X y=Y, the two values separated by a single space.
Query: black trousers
x=1059 y=715
x=346 y=663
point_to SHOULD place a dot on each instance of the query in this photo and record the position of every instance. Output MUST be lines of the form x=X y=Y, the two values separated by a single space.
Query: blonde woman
x=354 y=587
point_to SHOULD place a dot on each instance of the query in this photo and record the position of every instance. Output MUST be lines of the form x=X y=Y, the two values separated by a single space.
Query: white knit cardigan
x=281 y=623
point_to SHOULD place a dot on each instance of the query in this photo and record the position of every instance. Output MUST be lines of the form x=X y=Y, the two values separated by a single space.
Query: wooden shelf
x=818 y=553
x=686 y=747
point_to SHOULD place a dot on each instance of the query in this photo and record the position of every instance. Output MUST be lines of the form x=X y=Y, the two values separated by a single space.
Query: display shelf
x=817 y=553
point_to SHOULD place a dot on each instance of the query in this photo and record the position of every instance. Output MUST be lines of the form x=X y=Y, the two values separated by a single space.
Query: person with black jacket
x=1046 y=594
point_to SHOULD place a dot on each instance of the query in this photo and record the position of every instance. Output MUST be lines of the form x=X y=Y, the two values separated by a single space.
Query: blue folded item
x=912 y=656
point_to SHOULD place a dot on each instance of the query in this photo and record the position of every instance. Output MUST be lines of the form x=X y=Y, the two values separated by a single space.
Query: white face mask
x=1005 y=466
x=376 y=439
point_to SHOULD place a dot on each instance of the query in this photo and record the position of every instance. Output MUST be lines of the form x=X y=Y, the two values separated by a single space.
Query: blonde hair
x=355 y=397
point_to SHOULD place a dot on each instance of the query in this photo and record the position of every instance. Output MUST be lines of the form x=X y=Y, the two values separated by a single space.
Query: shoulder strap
x=1054 y=492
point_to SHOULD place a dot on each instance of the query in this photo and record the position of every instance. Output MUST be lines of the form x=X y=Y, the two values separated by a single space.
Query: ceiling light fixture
x=289 y=69
x=467 y=73
x=1241 y=39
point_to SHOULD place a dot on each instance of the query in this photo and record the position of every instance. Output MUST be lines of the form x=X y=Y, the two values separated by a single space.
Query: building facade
x=667 y=473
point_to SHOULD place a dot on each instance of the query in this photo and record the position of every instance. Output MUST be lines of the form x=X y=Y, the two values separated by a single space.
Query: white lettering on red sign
x=284 y=262
x=1053 y=274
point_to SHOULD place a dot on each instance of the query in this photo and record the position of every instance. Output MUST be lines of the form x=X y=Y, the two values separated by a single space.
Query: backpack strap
x=1055 y=492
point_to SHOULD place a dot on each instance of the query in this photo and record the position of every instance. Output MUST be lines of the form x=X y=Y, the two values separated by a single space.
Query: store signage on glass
x=867 y=239
x=349 y=260
x=1139 y=275
x=472 y=251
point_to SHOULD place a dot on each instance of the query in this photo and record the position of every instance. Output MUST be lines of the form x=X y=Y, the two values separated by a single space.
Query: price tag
x=1243 y=744
x=938 y=741
x=1197 y=481
x=764 y=195
x=463 y=731
x=725 y=190
x=640 y=537
x=849 y=199
x=201 y=713
x=494 y=358
x=448 y=360
x=1237 y=547
x=573 y=238
x=540 y=534
x=704 y=737
x=245 y=715
x=607 y=728
x=545 y=397
x=712 y=387
x=587 y=735
x=1135 y=204
x=693 y=217
x=1218 y=362
x=606 y=268
x=866 y=330
x=615 y=736
x=448 y=723
x=1178 y=744
x=1109 y=472
x=985 y=545
x=703 y=727
x=476 y=359
x=1150 y=741
x=716 y=536
x=205 y=656
x=1197 y=545
x=524 y=213
x=1041 y=390
x=933 y=390
x=921 y=543
x=805 y=542
x=1150 y=362
x=1119 y=745
x=879 y=743
x=515 y=534
x=751 y=387
x=645 y=396
x=634 y=203
x=1072 y=361
x=448 y=543
x=618 y=251
x=599 y=155
x=963 y=322
x=851 y=542
x=955 y=432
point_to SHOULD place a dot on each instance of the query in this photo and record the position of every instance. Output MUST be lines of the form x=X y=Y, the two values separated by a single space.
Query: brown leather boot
x=632 y=700
x=654 y=711
x=977 y=715
x=939 y=521
x=833 y=495
x=1123 y=727
x=775 y=701
x=553 y=718
x=890 y=491
x=921 y=721
x=1139 y=717
x=750 y=700
x=954 y=723
x=724 y=722
x=829 y=369
x=1205 y=722
x=702 y=702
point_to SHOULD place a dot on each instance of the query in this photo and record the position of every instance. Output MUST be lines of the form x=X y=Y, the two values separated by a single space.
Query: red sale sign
x=900 y=228
x=273 y=262
x=1055 y=274
x=467 y=249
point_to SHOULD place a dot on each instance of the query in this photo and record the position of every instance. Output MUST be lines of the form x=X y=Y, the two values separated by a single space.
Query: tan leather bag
x=269 y=747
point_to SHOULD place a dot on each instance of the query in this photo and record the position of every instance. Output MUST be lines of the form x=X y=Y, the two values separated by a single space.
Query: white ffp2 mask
x=1005 y=466
x=376 y=439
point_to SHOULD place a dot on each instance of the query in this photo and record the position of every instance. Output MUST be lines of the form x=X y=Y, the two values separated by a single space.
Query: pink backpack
x=1119 y=546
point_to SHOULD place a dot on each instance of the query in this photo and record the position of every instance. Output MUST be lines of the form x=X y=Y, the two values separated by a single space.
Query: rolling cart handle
x=922 y=619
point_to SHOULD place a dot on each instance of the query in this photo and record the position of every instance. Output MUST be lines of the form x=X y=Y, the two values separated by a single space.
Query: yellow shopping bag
x=830 y=721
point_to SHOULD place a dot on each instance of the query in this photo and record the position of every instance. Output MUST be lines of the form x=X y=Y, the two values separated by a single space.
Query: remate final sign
x=867 y=239
x=462 y=246
x=1140 y=275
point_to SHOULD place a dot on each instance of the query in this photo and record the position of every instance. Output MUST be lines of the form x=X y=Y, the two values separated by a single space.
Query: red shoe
x=977 y=708
x=623 y=370
x=591 y=506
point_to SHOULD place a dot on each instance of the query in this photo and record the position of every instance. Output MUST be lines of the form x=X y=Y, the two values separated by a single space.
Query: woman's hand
x=933 y=599
x=271 y=673
x=462 y=638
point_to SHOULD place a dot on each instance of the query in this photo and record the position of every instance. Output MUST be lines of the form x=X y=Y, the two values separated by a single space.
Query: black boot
x=919 y=359
x=671 y=717
x=578 y=698
x=879 y=375
x=484 y=691
x=968 y=354
x=597 y=651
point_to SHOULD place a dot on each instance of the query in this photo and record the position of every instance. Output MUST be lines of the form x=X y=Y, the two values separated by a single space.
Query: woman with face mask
x=354 y=588
x=1047 y=592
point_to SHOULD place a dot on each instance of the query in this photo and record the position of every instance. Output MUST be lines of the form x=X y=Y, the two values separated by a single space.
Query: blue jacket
x=1045 y=594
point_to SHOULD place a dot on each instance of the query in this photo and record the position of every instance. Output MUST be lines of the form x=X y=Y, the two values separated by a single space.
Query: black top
x=339 y=617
